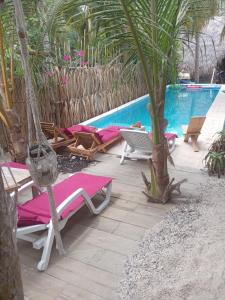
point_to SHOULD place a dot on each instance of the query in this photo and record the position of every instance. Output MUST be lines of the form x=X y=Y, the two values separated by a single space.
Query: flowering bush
x=80 y=53
x=66 y=57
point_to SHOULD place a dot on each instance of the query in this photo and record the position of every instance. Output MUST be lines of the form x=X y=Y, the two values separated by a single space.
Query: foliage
x=215 y=158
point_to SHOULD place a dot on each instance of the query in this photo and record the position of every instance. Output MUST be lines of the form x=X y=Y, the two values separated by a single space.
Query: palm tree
x=151 y=29
x=149 y=32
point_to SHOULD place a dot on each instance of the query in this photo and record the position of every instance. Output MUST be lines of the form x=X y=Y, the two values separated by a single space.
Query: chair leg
x=43 y=263
x=103 y=150
x=172 y=145
x=96 y=210
x=194 y=143
x=124 y=153
x=186 y=138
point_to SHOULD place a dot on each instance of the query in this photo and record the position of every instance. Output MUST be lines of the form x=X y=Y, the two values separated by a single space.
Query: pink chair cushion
x=109 y=133
x=66 y=132
x=168 y=136
x=115 y=128
x=13 y=164
x=80 y=128
x=37 y=210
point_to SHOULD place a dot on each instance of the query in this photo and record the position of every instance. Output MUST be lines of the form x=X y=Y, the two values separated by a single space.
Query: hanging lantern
x=42 y=164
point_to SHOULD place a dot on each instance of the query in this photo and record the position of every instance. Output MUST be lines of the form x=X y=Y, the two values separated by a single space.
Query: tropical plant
x=215 y=163
x=150 y=32
x=215 y=158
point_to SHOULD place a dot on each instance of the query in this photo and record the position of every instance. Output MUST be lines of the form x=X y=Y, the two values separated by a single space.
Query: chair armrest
x=69 y=200
x=23 y=187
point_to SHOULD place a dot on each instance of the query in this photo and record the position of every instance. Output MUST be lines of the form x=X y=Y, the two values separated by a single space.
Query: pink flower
x=66 y=57
x=84 y=63
x=80 y=53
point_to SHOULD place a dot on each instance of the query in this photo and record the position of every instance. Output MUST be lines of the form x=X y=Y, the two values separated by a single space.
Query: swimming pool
x=181 y=104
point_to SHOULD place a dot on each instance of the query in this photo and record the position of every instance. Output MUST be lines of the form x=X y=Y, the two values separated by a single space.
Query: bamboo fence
x=70 y=96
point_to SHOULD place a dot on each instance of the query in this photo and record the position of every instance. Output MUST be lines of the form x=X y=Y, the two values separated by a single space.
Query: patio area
x=98 y=247
x=101 y=82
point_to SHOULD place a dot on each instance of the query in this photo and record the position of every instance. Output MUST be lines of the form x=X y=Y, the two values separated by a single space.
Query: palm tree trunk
x=197 y=50
x=11 y=287
x=158 y=163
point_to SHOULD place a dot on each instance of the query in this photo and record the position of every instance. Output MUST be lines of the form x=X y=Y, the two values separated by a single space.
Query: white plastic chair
x=138 y=145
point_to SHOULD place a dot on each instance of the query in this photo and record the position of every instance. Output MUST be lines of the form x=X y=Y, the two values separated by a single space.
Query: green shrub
x=215 y=158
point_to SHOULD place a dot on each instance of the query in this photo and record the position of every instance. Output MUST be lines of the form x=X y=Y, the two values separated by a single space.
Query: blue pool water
x=181 y=105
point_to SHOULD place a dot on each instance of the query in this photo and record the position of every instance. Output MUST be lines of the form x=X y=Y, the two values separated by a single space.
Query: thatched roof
x=212 y=48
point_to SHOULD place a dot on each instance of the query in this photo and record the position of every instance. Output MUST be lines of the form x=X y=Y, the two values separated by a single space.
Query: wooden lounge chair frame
x=88 y=144
x=27 y=233
x=193 y=130
x=52 y=132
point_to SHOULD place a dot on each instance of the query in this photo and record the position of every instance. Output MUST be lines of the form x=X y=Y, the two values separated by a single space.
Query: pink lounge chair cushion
x=37 y=210
x=79 y=128
x=168 y=136
x=109 y=133
x=66 y=132
x=13 y=164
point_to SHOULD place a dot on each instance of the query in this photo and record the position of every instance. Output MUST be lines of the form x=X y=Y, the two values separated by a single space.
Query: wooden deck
x=97 y=247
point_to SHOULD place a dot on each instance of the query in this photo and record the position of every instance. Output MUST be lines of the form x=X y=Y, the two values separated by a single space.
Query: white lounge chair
x=70 y=195
x=138 y=144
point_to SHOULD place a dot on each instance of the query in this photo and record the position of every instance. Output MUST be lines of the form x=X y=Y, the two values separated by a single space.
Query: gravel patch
x=68 y=163
x=183 y=257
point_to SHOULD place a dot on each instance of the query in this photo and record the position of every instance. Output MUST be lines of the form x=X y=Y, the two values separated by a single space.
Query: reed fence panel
x=70 y=96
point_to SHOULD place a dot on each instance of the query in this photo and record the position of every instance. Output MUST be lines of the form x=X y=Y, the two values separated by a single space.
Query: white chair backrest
x=137 y=139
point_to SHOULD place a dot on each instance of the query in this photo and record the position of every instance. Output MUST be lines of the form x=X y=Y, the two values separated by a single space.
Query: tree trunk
x=16 y=143
x=159 y=161
x=11 y=287
x=197 y=50
x=159 y=188
x=19 y=144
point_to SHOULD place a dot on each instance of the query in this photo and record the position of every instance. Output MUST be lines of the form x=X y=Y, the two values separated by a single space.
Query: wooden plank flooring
x=97 y=247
